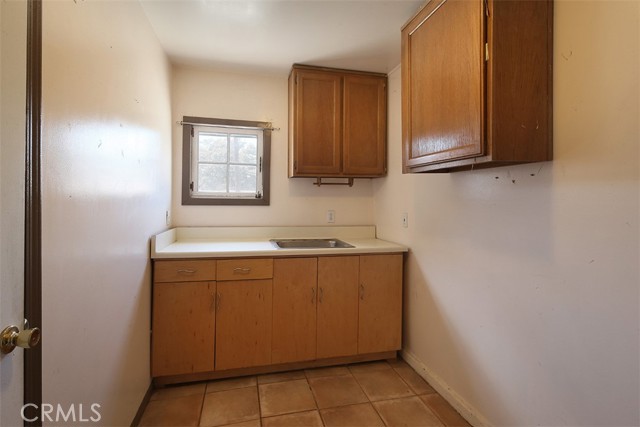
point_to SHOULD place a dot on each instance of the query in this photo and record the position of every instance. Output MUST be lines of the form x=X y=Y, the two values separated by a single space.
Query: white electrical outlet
x=331 y=216
x=405 y=219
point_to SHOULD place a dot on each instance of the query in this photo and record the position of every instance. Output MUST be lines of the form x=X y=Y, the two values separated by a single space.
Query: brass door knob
x=11 y=337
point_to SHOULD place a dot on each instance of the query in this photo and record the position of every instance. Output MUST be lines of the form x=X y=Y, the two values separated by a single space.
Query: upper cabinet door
x=443 y=83
x=317 y=131
x=365 y=132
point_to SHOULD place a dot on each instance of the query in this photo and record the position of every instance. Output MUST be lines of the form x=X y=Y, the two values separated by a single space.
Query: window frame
x=188 y=198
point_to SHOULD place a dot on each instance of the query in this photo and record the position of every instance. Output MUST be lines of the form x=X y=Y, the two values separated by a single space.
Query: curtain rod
x=226 y=126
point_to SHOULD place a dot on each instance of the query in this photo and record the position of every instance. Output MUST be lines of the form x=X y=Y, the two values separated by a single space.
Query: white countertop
x=229 y=242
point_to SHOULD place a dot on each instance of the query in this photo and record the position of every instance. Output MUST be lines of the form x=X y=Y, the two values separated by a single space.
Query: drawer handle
x=184 y=271
x=242 y=270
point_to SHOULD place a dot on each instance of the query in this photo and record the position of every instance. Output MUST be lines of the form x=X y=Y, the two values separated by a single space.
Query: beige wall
x=106 y=173
x=209 y=93
x=522 y=291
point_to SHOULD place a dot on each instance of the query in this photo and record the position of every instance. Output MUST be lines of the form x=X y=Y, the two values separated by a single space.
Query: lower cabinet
x=243 y=324
x=337 y=333
x=184 y=324
x=294 y=309
x=380 y=308
x=267 y=311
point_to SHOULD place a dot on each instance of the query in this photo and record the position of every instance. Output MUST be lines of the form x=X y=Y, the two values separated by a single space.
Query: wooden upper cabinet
x=477 y=84
x=337 y=123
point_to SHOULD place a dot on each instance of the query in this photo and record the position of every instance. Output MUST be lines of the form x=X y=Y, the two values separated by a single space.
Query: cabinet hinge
x=486 y=7
x=486 y=51
x=191 y=186
x=260 y=166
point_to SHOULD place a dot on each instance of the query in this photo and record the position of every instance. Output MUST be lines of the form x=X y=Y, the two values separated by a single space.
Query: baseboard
x=143 y=406
x=469 y=413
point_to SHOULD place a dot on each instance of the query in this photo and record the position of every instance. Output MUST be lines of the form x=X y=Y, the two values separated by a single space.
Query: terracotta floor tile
x=369 y=367
x=299 y=419
x=336 y=391
x=230 y=406
x=252 y=423
x=280 y=376
x=230 y=384
x=171 y=392
x=285 y=397
x=362 y=415
x=383 y=385
x=180 y=411
x=414 y=380
x=444 y=411
x=331 y=371
x=407 y=412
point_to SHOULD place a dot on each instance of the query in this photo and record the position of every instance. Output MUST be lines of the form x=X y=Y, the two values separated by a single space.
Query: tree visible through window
x=227 y=161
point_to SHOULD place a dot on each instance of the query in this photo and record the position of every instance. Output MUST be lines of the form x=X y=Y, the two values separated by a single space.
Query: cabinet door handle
x=361 y=292
x=185 y=271
x=242 y=270
x=313 y=295
x=218 y=298
x=321 y=294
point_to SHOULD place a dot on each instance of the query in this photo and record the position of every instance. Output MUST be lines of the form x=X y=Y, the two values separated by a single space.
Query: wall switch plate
x=405 y=219
x=331 y=216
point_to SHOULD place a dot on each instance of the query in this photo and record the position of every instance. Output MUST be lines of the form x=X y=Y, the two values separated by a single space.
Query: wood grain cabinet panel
x=477 y=84
x=183 y=328
x=184 y=270
x=380 y=309
x=243 y=324
x=338 y=306
x=337 y=123
x=294 y=309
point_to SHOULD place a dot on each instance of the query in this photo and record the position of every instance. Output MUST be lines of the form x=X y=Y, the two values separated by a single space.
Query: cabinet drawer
x=184 y=271
x=245 y=269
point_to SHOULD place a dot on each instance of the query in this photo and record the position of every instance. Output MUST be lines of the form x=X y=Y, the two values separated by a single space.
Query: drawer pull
x=242 y=270
x=184 y=271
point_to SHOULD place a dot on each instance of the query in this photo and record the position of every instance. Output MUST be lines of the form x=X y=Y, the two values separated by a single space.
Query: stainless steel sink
x=309 y=243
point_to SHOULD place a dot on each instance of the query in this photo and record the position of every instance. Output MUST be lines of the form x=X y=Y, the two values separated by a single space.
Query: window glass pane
x=244 y=149
x=212 y=178
x=212 y=147
x=242 y=179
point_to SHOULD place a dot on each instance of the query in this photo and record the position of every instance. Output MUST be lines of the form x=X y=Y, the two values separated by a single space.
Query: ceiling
x=269 y=35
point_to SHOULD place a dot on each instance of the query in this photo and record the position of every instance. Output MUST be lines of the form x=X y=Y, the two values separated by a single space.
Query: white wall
x=13 y=45
x=209 y=93
x=106 y=173
x=522 y=291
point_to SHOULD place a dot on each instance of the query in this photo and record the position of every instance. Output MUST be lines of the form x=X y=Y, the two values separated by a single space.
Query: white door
x=13 y=19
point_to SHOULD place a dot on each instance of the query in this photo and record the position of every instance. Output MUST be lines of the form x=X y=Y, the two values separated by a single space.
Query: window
x=225 y=162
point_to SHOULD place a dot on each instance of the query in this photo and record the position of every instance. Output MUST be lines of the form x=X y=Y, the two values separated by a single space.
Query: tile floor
x=365 y=394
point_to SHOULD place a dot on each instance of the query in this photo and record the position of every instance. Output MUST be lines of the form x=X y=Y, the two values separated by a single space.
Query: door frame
x=33 y=203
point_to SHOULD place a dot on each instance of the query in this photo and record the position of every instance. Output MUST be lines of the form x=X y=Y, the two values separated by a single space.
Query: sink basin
x=309 y=243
